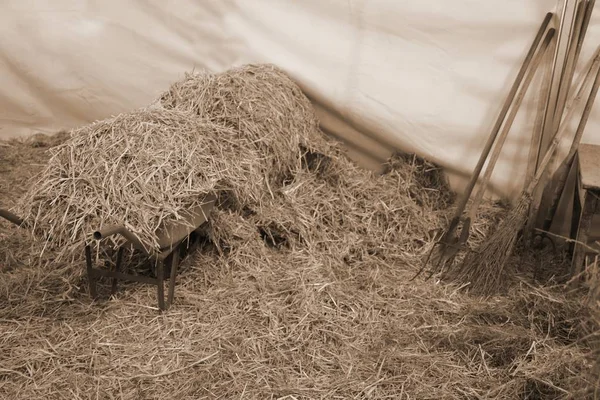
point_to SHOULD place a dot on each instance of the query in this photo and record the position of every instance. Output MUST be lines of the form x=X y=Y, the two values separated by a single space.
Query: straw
x=143 y=169
x=299 y=291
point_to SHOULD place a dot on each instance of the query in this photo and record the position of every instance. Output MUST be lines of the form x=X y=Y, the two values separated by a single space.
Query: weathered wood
x=588 y=209
x=589 y=166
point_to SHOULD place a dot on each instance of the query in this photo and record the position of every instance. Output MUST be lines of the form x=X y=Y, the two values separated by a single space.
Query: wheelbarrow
x=170 y=239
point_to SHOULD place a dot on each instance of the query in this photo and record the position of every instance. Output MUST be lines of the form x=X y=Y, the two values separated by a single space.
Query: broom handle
x=556 y=82
x=508 y=125
x=596 y=57
x=589 y=9
x=538 y=128
x=511 y=95
x=564 y=127
x=569 y=67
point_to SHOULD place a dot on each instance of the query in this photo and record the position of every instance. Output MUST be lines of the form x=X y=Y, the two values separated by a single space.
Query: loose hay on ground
x=20 y=161
x=329 y=315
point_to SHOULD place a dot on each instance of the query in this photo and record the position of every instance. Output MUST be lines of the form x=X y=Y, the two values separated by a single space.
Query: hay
x=592 y=320
x=301 y=294
x=254 y=130
x=340 y=212
x=21 y=160
x=263 y=103
x=141 y=170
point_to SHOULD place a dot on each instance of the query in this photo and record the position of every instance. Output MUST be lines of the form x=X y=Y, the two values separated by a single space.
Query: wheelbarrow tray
x=169 y=238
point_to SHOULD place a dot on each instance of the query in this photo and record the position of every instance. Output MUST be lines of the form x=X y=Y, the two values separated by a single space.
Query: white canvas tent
x=421 y=76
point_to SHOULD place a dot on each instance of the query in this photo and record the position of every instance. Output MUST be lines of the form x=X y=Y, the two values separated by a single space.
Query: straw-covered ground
x=302 y=286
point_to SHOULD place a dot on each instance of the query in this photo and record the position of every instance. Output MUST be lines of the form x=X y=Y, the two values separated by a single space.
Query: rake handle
x=582 y=21
x=580 y=24
x=538 y=128
x=508 y=125
x=587 y=15
x=582 y=122
x=561 y=53
x=499 y=121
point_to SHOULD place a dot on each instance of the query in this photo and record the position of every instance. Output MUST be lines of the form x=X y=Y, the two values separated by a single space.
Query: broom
x=483 y=269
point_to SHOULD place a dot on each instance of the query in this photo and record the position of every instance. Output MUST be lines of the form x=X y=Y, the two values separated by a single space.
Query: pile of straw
x=263 y=103
x=240 y=135
x=348 y=214
x=592 y=320
x=140 y=169
x=302 y=288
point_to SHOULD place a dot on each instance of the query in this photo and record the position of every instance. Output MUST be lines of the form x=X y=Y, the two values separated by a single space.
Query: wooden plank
x=589 y=166
x=583 y=232
x=561 y=223
x=595 y=228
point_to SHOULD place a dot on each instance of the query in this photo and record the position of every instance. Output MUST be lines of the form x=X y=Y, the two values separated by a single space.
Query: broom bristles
x=484 y=268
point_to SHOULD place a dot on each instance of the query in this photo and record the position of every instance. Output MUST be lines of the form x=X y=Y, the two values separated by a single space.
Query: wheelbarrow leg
x=160 y=277
x=90 y=272
x=174 y=264
x=117 y=269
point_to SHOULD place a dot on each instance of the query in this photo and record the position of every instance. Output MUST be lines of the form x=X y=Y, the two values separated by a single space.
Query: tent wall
x=422 y=76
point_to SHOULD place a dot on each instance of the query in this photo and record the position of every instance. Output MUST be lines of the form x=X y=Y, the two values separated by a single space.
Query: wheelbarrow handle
x=119 y=230
x=108 y=231
x=11 y=217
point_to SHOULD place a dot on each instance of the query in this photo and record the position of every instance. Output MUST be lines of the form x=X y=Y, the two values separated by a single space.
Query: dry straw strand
x=301 y=289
